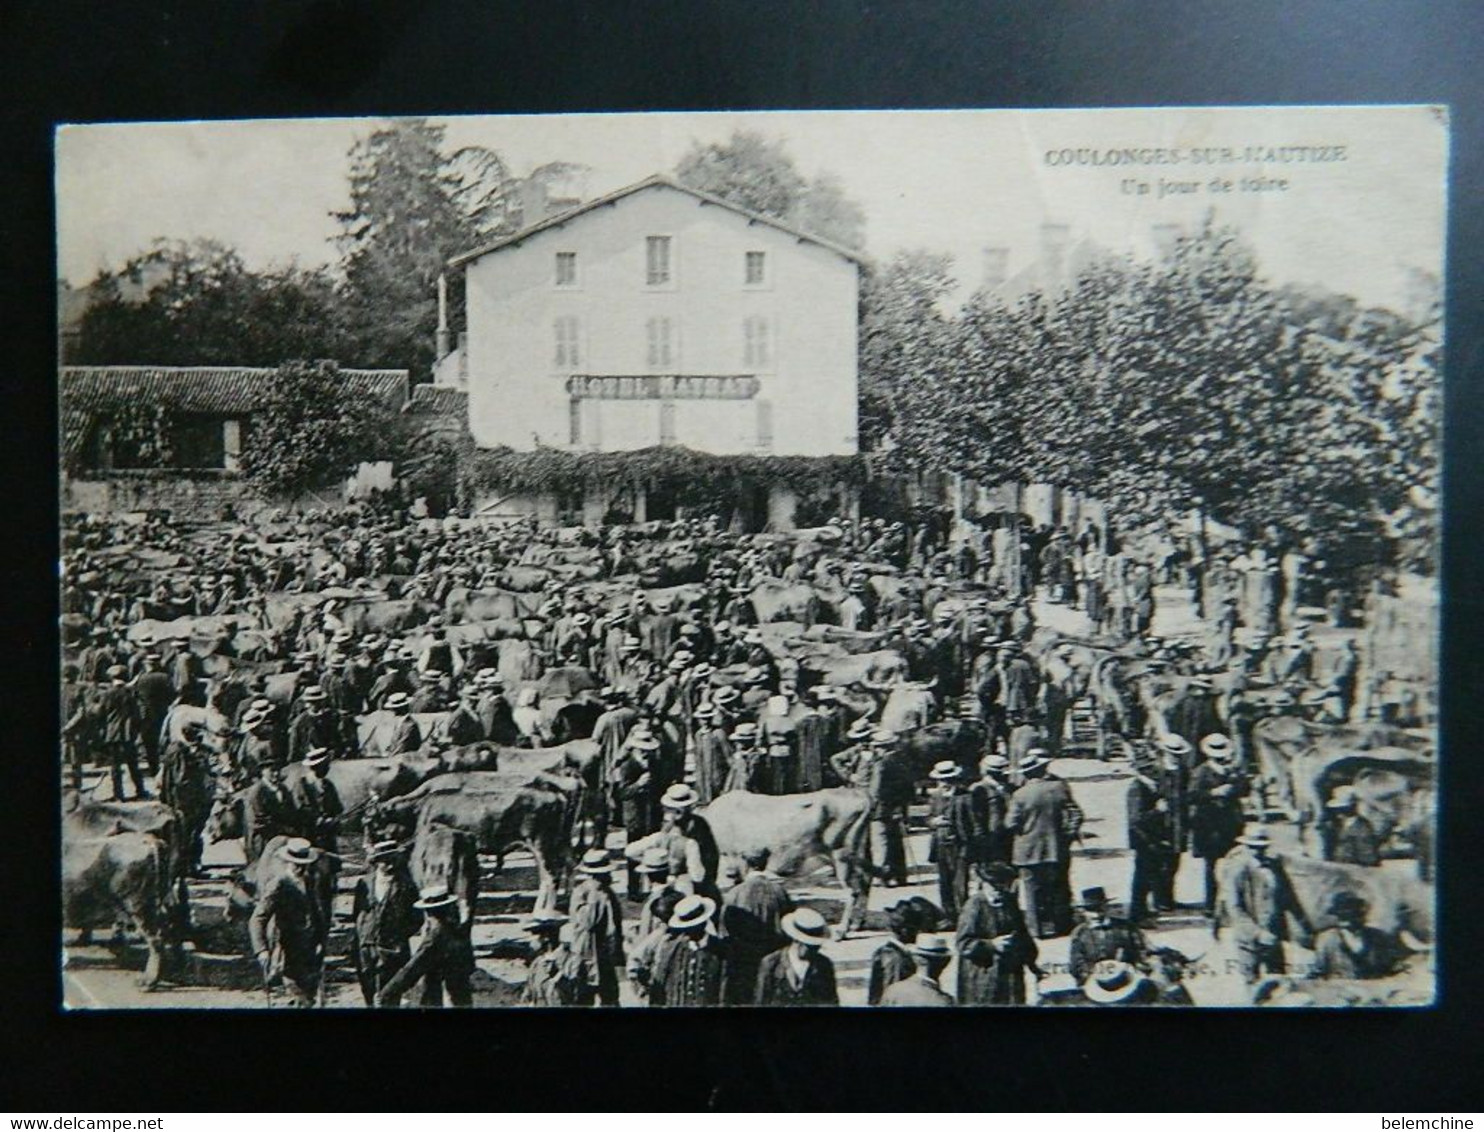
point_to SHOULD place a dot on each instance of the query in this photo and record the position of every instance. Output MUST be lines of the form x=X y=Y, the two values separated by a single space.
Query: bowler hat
x=1093 y=898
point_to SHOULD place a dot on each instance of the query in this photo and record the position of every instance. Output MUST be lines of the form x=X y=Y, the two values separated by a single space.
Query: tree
x=314 y=429
x=196 y=303
x=759 y=175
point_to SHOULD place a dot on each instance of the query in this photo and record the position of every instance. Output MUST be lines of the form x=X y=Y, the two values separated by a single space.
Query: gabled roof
x=202 y=389
x=656 y=181
x=437 y=401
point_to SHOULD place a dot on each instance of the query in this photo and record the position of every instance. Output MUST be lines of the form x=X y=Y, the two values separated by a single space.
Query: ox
x=778 y=601
x=449 y=858
x=871 y=669
x=803 y=833
x=500 y=811
x=125 y=876
x=909 y=705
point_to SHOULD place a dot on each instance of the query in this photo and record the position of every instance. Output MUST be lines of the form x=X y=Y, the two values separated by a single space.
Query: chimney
x=996 y=265
x=1165 y=238
x=442 y=343
x=1055 y=239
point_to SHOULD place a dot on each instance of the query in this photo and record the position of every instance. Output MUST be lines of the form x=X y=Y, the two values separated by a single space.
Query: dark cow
x=961 y=741
x=500 y=811
x=125 y=876
x=447 y=857
x=1290 y=750
x=778 y=601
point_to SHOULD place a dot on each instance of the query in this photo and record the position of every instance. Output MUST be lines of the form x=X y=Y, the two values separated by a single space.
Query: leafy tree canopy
x=760 y=175
x=314 y=430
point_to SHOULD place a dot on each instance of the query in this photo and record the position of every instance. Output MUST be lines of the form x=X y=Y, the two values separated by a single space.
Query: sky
x=1360 y=213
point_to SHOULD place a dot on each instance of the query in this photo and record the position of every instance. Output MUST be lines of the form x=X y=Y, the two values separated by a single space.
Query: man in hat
x=1357 y=841
x=547 y=979
x=953 y=827
x=851 y=764
x=653 y=867
x=186 y=786
x=431 y=697
x=637 y=790
x=385 y=918
x=1045 y=820
x=116 y=710
x=893 y=960
x=154 y=692
x=267 y=811
x=1351 y=949
x=406 y=737
x=752 y=918
x=891 y=790
x=1343 y=676
x=1009 y=688
x=712 y=751
x=316 y=726
x=1257 y=898
x=691 y=965
x=695 y=859
x=1193 y=715
x=596 y=931
x=293 y=950
x=995 y=947
x=1214 y=807
x=747 y=756
x=933 y=955
x=442 y=960
x=318 y=808
x=992 y=839
x=1153 y=831
x=1101 y=936
x=394 y=678
x=462 y=725
x=799 y=974
x=496 y=719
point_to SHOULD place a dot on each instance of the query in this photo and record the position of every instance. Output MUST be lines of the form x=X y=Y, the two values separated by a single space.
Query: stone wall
x=193 y=497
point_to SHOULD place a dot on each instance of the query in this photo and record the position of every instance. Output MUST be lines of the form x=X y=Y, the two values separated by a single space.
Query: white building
x=659 y=315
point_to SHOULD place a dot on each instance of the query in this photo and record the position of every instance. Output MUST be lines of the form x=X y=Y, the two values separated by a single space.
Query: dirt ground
x=104 y=976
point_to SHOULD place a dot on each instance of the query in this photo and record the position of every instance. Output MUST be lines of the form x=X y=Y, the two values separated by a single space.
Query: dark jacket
x=891 y=964
x=442 y=962
x=776 y=986
x=689 y=973
x=1215 y=821
x=1045 y=820
x=988 y=976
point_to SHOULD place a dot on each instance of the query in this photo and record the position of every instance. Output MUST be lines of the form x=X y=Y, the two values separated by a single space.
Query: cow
x=385 y=616
x=447 y=858
x=525 y=579
x=374 y=730
x=125 y=876
x=1399 y=902
x=779 y=601
x=85 y=818
x=909 y=705
x=872 y=669
x=500 y=810
x=469 y=605
x=961 y=741
x=1282 y=744
x=518 y=661
x=803 y=833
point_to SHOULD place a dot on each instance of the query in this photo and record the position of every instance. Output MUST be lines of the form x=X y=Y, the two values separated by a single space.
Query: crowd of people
x=268 y=666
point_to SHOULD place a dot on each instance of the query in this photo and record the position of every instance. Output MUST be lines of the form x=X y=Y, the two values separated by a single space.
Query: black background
x=101 y=62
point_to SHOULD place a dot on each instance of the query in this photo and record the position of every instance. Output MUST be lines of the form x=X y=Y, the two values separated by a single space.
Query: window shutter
x=667 y=422
x=765 y=424
x=574 y=420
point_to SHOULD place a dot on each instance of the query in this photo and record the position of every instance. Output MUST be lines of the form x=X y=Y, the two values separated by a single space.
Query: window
x=667 y=422
x=574 y=420
x=200 y=442
x=657 y=261
x=661 y=353
x=566 y=269
x=765 y=424
x=756 y=353
x=565 y=333
x=755 y=274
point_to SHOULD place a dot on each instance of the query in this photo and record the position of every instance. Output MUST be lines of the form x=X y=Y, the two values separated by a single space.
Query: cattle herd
x=683 y=729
